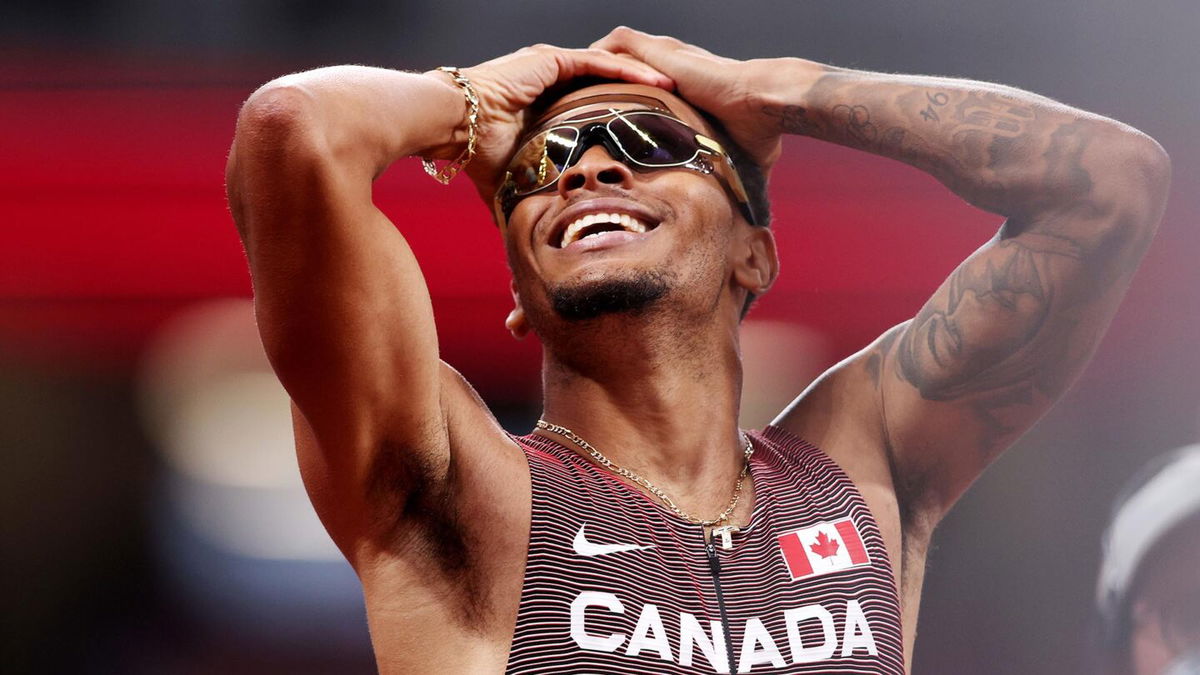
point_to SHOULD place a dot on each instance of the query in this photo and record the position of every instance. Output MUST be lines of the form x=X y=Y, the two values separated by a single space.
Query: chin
x=626 y=294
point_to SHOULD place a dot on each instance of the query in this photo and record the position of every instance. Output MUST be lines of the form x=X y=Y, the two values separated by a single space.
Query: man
x=638 y=529
x=1148 y=595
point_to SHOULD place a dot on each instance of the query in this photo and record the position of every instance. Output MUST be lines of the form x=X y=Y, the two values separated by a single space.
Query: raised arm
x=1014 y=324
x=1005 y=335
x=341 y=303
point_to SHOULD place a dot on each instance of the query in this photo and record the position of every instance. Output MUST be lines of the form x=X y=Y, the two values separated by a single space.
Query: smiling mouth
x=598 y=224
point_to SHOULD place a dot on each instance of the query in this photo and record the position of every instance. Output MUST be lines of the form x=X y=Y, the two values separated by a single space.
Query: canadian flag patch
x=823 y=548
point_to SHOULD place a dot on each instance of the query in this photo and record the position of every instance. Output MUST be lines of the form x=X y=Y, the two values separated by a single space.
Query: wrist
x=447 y=172
x=784 y=93
x=454 y=128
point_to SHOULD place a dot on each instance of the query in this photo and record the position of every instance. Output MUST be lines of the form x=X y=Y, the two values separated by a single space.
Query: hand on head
x=508 y=85
x=728 y=89
x=733 y=91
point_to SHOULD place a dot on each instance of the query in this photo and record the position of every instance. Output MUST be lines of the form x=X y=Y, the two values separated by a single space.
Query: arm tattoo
x=853 y=124
x=792 y=119
x=998 y=150
x=1015 y=322
x=875 y=360
x=1009 y=287
x=936 y=100
x=999 y=333
x=990 y=112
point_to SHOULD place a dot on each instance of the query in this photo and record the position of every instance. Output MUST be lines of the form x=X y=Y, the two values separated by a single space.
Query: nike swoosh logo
x=586 y=548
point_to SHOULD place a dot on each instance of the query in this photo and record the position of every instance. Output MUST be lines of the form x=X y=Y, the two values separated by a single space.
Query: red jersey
x=616 y=583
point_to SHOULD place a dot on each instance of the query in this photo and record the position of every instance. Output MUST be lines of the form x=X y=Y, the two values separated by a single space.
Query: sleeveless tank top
x=615 y=583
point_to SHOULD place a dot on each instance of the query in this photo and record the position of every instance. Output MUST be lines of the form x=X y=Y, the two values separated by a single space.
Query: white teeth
x=626 y=221
x=632 y=224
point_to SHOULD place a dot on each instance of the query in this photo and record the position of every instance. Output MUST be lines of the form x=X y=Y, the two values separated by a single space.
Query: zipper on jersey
x=714 y=564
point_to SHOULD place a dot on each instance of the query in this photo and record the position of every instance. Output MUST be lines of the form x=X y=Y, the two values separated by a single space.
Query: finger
x=664 y=53
x=623 y=39
x=579 y=62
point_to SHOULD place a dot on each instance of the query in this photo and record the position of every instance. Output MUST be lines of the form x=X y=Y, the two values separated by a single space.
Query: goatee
x=608 y=296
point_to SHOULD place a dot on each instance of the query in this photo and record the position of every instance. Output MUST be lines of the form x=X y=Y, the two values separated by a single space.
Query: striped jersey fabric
x=615 y=583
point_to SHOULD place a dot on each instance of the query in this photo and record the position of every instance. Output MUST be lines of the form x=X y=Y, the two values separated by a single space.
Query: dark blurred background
x=152 y=516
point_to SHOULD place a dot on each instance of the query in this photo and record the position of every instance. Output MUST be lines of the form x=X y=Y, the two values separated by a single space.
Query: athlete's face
x=676 y=233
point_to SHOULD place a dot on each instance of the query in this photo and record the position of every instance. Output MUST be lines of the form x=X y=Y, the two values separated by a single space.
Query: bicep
x=347 y=322
x=345 y=318
x=999 y=342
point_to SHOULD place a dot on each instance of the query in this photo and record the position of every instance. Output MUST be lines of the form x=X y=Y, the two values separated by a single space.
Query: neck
x=658 y=404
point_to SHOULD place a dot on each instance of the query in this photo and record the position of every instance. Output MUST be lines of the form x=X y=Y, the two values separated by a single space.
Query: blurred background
x=153 y=520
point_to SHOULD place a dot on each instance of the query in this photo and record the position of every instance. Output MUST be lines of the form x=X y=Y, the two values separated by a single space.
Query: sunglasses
x=645 y=140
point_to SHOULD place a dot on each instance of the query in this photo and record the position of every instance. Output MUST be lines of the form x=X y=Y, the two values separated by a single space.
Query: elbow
x=1141 y=166
x=1153 y=167
x=275 y=135
x=1135 y=190
x=279 y=117
x=276 y=109
x=279 y=104
x=1120 y=175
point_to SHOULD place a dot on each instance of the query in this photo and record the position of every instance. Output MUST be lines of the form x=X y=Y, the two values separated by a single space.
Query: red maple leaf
x=825 y=547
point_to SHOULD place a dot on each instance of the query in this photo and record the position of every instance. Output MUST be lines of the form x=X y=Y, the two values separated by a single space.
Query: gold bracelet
x=449 y=171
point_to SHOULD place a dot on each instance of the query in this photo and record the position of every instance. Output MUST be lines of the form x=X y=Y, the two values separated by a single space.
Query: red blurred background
x=114 y=221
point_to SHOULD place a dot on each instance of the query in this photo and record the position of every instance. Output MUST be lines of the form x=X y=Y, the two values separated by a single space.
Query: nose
x=595 y=168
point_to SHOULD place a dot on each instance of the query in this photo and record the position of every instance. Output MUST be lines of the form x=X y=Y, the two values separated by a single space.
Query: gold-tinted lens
x=542 y=159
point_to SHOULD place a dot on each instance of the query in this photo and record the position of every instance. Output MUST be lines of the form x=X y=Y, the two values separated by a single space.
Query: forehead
x=622 y=96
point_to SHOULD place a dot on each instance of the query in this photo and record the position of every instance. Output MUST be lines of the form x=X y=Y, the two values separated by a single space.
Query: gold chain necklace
x=670 y=504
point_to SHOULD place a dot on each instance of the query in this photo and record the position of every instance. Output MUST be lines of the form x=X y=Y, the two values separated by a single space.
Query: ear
x=758 y=263
x=515 y=323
